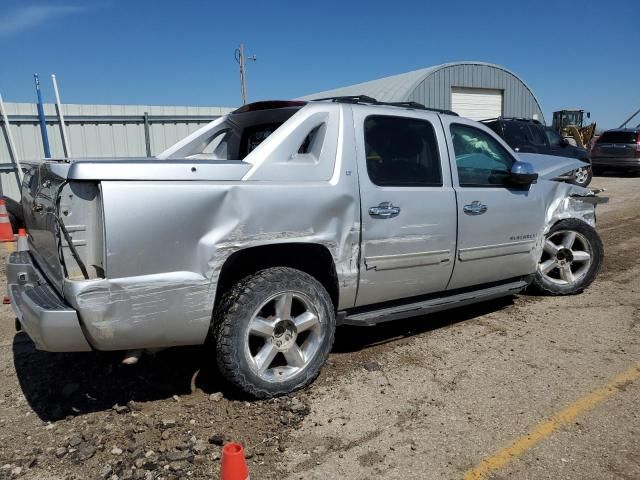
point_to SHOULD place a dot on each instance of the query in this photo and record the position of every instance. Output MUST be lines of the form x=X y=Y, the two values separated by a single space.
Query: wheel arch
x=312 y=258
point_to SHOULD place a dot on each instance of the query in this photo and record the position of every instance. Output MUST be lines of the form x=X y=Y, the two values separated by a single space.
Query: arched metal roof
x=399 y=88
x=395 y=88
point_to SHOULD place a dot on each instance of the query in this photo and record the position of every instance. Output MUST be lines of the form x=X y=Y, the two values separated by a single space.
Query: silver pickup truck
x=263 y=230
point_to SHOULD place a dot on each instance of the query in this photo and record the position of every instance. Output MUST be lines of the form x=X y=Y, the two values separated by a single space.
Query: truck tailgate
x=50 y=203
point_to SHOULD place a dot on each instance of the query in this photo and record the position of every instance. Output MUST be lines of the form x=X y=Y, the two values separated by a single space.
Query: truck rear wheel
x=273 y=331
x=571 y=258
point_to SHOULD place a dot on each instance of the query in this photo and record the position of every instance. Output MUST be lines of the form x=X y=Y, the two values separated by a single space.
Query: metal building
x=475 y=90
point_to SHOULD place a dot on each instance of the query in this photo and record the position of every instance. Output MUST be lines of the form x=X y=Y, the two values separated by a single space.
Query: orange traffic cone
x=23 y=243
x=6 y=232
x=233 y=465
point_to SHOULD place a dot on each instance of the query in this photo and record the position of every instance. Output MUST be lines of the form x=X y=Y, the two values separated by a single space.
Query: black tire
x=586 y=234
x=584 y=179
x=235 y=311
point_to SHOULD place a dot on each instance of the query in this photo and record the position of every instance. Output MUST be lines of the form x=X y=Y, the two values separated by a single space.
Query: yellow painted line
x=546 y=428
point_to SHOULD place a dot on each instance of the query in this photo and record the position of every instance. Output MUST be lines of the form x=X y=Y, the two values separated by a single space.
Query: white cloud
x=31 y=16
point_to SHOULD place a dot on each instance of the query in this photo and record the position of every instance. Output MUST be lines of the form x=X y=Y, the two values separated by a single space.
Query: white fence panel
x=105 y=131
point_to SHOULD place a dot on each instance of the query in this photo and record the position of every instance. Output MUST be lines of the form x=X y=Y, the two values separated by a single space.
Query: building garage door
x=476 y=103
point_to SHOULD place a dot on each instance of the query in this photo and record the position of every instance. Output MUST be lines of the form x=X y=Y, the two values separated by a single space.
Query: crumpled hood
x=549 y=166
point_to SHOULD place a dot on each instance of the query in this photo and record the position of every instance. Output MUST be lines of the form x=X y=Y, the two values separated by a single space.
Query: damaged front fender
x=568 y=201
x=571 y=201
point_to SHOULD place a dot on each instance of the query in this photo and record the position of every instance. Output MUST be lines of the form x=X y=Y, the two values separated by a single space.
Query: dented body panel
x=194 y=233
x=150 y=237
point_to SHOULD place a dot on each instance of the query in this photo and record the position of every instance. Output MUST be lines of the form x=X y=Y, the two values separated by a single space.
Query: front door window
x=481 y=161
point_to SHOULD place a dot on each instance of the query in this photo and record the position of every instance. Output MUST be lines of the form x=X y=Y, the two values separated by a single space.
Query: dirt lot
x=433 y=397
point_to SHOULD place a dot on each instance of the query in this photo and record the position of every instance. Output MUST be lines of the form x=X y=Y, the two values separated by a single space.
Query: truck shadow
x=59 y=385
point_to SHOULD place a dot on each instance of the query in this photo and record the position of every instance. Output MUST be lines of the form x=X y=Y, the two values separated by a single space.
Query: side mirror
x=522 y=173
x=564 y=142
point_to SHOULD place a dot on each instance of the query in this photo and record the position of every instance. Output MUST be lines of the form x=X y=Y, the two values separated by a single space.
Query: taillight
x=638 y=145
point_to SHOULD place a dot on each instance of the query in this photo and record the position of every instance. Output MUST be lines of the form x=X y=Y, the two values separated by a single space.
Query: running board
x=386 y=314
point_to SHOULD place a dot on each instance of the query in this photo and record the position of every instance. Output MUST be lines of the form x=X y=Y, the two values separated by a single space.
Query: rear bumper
x=51 y=323
x=616 y=162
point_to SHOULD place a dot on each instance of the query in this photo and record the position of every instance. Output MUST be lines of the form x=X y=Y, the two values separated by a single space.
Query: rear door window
x=401 y=152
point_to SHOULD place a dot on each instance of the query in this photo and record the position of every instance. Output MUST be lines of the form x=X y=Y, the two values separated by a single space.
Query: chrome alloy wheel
x=581 y=175
x=283 y=336
x=566 y=257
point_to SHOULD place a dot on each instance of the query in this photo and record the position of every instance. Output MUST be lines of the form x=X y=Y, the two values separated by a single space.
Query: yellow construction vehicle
x=569 y=124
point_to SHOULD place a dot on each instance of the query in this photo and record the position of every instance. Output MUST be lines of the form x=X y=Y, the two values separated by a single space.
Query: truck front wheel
x=273 y=331
x=582 y=176
x=571 y=258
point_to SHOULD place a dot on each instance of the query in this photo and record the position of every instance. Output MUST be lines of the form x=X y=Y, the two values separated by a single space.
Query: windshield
x=572 y=118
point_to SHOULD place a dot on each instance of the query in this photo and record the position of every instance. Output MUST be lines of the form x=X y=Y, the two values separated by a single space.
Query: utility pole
x=240 y=58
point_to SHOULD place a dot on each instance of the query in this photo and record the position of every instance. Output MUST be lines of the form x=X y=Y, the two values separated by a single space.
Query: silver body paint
x=155 y=234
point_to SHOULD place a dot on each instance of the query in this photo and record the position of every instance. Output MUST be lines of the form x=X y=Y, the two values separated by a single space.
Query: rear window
x=618 y=137
x=239 y=134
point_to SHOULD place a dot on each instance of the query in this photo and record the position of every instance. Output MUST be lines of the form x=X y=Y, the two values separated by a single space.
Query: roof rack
x=365 y=99
x=532 y=120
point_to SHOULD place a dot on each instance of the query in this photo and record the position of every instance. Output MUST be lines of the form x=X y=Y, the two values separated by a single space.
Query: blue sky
x=572 y=54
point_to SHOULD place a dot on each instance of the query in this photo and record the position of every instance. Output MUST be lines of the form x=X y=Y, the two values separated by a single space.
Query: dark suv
x=618 y=149
x=531 y=136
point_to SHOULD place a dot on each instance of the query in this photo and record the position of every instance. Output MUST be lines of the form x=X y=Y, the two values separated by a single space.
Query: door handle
x=384 y=210
x=475 y=208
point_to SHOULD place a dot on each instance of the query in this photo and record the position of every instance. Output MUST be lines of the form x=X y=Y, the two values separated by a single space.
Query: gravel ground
x=429 y=397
